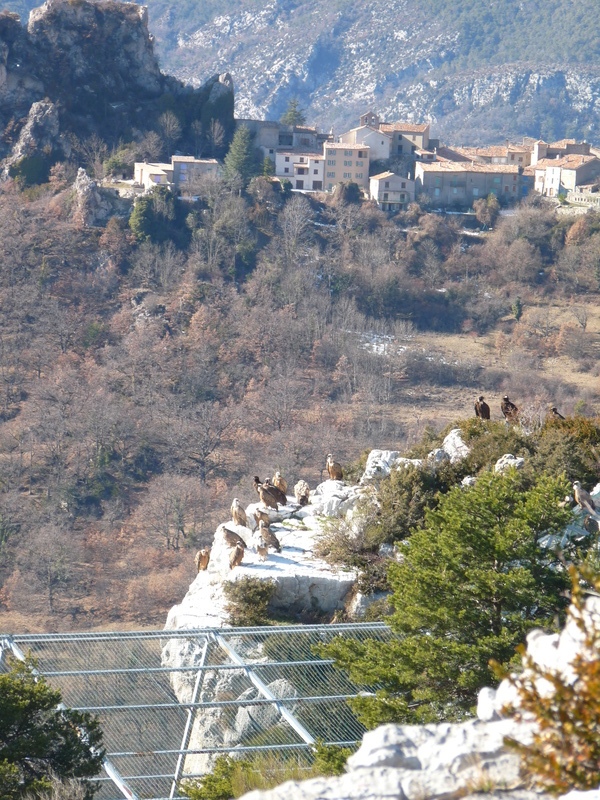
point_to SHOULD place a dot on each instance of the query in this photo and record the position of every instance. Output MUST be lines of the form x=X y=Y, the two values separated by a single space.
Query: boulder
x=455 y=446
x=507 y=461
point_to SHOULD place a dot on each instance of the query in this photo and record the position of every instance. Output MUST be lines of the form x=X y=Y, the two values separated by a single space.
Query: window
x=299 y=184
x=361 y=154
x=331 y=162
x=359 y=175
x=347 y=163
x=317 y=185
x=438 y=181
x=287 y=158
x=347 y=152
x=347 y=174
x=475 y=192
x=286 y=169
x=387 y=184
x=403 y=185
x=520 y=159
x=330 y=175
x=315 y=171
x=399 y=149
x=512 y=157
x=332 y=152
x=302 y=171
x=329 y=186
x=497 y=179
x=414 y=138
x=506 y=189
x=436 y=192
x=271 y=151
x=301 y=159
x=385 y=195
x=359 y=163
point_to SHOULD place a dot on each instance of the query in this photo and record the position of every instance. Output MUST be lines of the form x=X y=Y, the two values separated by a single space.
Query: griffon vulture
x=334 y=469
x=583 y=499
x=267 y=535
x=201 y=559
x=509 y=409
x=280 y=496
x=238 y=515
x=236 y=556
x=302 y=492
x=280 y=482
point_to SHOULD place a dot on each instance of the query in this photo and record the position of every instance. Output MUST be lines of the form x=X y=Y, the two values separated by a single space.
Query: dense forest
x=152 y=366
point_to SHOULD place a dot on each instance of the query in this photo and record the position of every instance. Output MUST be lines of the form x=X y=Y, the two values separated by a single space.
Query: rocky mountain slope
x=478 y=71
x=83 y=68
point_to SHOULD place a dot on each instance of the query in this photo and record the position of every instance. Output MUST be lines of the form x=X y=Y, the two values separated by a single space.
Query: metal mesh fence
x=169 y=702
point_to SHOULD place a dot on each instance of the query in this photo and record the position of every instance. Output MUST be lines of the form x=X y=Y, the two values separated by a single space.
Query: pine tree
x=468 y=588
x=294 y=115
x=239 y=161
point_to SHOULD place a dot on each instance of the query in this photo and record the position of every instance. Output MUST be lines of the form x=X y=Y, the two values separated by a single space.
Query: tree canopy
x=467 y=588
x=293 y=115
x=38 y=739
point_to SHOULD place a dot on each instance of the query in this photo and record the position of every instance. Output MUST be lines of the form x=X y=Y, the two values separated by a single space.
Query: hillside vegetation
x=149 y=372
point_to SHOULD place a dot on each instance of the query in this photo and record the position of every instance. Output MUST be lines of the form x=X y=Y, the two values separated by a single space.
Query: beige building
x=179 y=174
x=555 y=176
x=270 y=136
x=379 y=143
x=564 y=147
x=346 y=162
x=450 y=183
x=519 y=155
x=302 y=168
x=391 y=192
x=406 y=137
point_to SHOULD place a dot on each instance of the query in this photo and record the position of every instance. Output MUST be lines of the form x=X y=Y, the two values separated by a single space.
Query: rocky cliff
x=83 y=67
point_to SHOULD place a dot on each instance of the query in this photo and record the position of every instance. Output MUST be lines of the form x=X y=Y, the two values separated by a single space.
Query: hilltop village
x=396 y=164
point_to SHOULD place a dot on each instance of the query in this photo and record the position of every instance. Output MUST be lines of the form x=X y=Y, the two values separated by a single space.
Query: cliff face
x=94 y=63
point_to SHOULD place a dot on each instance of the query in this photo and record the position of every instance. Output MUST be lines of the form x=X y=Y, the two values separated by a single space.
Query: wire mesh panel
x=169 y=702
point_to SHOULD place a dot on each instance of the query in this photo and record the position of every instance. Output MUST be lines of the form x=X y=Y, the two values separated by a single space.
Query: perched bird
x=256 y=482
x=268 y=536
x=482 y=410
x=555 y=413
x=267 y=498
x=201 y=559
x=280 y=496
x=509 y=409
x=280 y=482
x=262 y=548
x=302 y=492
x=238 y=515
x=334 y=469
x=583 y=499
x=261 y=516
x=236 y=556
x=231 y=538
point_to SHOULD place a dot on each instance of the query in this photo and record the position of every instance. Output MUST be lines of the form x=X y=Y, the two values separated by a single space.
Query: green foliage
x=469 y=586
x=159 y=217
x=565 y=751
x=37 y=740
x=31 y=170
x=248 y=601
x=330 y=759
x=240 y=161
x=293 y=115
x=517 y=309
x=217 y=785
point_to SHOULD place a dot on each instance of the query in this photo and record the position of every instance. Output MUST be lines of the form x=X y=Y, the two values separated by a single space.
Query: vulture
x=280 y=496
x=267 y=535
x=262 y=548
x=482 y=410
x=238 y=515
x=280 y=482
x=334 y=469
x=236 y=556
x=302 y=492
x=509 y=409
x=202 y=558
x=267 y=498
x=256 y=483
x=555 y=413
x=583 y=498
x=261 y=516
x=231 y=538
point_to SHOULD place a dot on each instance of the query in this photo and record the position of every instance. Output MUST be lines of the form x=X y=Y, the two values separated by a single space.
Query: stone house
x=556 y=176
x=564 y=147
x=346 y=162
x=379 y=143
x=391 y=192
x=179 y=174
x=303 y=168
x=450 y=183
x=269 y=136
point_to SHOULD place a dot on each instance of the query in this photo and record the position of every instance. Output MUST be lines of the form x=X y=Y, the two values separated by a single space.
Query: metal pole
x=265 y=691
x=110 y=770
x=188 y=724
